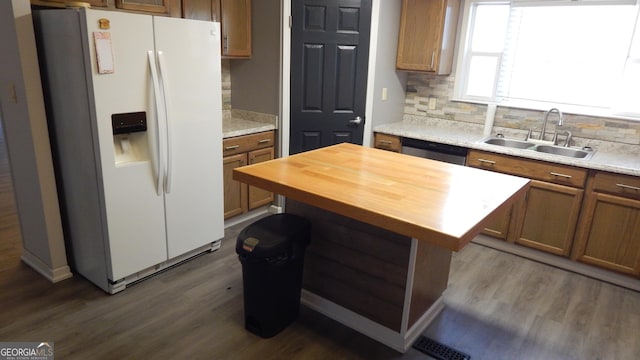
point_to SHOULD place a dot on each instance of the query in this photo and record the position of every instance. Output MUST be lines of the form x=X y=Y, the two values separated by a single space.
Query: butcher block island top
x=443 y=204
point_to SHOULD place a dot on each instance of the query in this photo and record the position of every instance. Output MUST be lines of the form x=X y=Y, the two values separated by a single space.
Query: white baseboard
x=53 y=275
x=246 y=216
x=423 y=322
x=361 y=324
x=560 y=262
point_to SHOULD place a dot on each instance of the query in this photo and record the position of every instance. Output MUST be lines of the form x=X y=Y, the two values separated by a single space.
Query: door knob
x=356 y=121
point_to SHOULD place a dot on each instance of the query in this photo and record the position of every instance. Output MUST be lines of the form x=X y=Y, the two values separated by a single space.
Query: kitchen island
x=384 y=227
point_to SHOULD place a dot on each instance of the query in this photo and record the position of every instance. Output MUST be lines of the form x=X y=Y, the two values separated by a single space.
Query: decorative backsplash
x=226 y=85
x=422 y=87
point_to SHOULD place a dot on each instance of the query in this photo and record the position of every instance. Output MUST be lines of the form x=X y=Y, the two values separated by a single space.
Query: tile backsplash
x=422 y=87
x=226 y=85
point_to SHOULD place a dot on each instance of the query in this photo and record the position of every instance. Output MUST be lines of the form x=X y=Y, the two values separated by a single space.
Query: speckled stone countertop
x=237 y=127
x=622 y=159
x=241 y=122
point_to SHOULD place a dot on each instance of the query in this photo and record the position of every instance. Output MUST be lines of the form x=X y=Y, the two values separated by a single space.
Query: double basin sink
x=575 y=153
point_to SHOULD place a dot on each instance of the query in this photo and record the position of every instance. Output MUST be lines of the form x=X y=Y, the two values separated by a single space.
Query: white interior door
x=189 y=54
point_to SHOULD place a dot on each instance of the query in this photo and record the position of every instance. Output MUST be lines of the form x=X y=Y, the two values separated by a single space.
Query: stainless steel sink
x=563 y=151
x=542 y=148
x=508 y=143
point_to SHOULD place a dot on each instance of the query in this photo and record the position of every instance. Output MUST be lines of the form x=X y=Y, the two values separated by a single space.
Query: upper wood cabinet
x=208 y=10
x=427 y=35
x=235 y=23
x=154 y=7
x=167 y=7
x=236 y=28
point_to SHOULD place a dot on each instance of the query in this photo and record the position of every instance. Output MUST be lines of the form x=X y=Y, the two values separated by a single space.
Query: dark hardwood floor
x=498 y=306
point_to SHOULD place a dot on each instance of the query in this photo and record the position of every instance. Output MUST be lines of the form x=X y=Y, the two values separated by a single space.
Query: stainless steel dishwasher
x=436 y=151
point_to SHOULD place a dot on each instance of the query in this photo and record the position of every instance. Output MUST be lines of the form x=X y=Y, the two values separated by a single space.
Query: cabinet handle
x=560 y=175
x=433 y=56
x=264 y=141
x=490 y=162
x=385 y=142
x=231 y=147
x=629 y=187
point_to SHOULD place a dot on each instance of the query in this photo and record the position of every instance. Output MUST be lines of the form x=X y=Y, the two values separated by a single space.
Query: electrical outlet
x=432 y=103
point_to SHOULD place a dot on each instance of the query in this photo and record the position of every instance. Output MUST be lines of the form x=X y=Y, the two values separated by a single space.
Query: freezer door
x=189 y=57
x=135 y=210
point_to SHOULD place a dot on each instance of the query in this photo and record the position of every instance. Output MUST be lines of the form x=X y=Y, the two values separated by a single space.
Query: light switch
x=384 y=94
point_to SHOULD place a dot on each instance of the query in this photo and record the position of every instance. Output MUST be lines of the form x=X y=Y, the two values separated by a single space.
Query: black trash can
x=271 y=251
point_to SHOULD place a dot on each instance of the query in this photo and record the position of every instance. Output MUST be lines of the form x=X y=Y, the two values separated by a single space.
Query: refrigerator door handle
x=165 y=87
x=159 y=123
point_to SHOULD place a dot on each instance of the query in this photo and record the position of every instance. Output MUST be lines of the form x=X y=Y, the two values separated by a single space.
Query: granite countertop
x=606 y=158
x=232 y=127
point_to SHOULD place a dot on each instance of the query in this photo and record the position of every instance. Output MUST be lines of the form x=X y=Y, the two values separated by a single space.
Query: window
x=581 y=56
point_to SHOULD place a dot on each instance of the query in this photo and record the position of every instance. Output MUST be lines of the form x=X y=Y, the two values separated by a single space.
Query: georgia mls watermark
x=26 y=350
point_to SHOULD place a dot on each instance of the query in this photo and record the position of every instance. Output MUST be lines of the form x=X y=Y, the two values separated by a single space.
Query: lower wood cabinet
x=240 y=151
x=235 y=192
x=500 y=224
x=547 y=217
x=234 y=17
x=609 y=231
x=387 y=142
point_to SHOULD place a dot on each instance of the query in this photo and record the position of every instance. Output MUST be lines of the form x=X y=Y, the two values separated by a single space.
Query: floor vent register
x=438 y=350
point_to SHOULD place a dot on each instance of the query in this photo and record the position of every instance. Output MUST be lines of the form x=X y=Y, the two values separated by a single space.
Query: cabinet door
x=235 y=192
x=200 y=9
x=168 y=7
x=427 y=35
x=548 y=218
x=499 y=226
x=257 y=196
x=236 y=28
x=93 y=3
x=609 y=234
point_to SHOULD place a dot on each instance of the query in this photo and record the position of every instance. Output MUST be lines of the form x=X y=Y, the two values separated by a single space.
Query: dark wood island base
x=385 y=285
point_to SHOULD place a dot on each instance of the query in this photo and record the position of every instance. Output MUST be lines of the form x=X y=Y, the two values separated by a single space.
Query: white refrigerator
x=135 y=115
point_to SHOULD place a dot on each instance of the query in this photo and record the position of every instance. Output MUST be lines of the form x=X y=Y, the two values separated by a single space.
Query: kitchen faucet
x=544 y=121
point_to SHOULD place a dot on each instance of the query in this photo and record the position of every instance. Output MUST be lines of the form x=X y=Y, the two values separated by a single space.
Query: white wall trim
x=408 y=290
x=368 y=327
x=560 y=262
x=371 y=70
x=53 y=275
x=285 y=78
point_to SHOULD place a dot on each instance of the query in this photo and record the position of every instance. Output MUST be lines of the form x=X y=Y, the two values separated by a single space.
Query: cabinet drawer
x=623 y=185
x=387 y=142
x=245 y=143
x=538 y=170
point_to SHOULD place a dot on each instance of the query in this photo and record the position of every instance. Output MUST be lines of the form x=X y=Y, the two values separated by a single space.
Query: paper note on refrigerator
x=104 y=52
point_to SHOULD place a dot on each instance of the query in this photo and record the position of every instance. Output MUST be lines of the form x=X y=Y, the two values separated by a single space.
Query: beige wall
x=255 y=82
x=28 y=145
